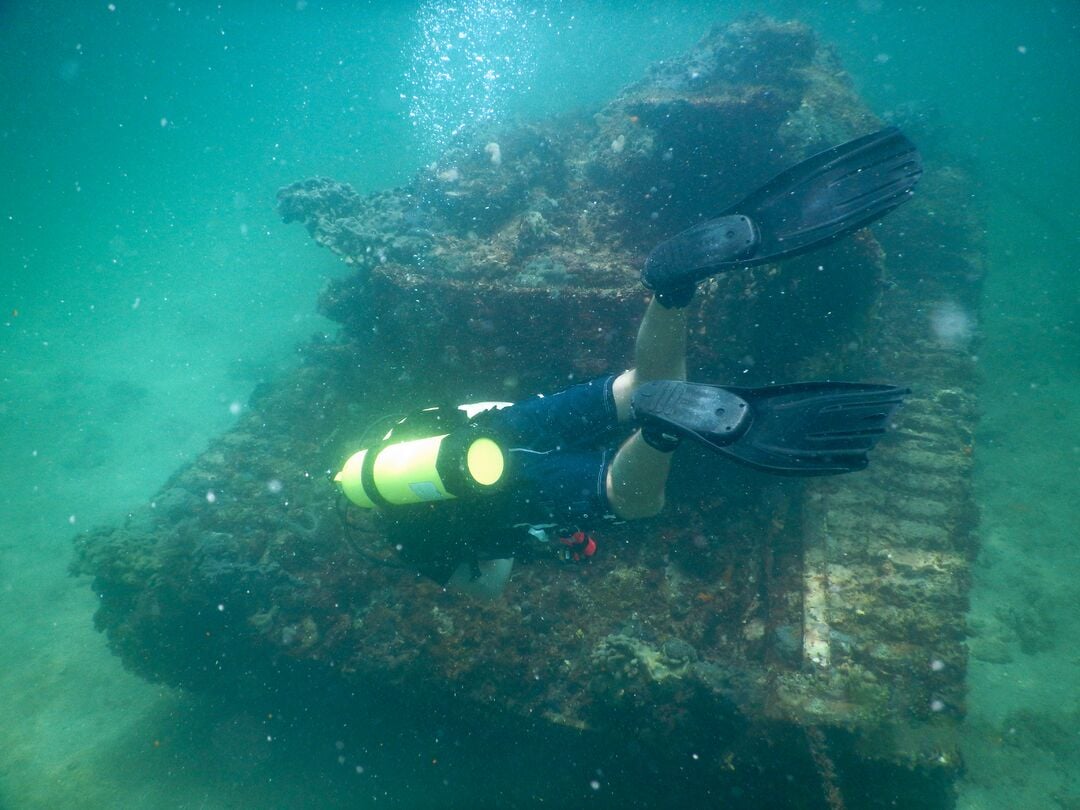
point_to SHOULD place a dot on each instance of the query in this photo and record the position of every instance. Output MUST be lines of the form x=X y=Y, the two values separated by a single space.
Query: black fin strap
x=676 y=298
x=657 y=439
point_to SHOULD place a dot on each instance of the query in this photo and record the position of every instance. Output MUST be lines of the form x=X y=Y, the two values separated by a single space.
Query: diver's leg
x=638 y=473
x=659 y=354
x=636 y=479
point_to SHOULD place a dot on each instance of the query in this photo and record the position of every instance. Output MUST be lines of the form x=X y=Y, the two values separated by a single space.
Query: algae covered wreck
x=813 y=616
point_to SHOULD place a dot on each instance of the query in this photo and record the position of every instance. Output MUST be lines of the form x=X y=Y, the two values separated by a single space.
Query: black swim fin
x=809 y=205
x=809 y=428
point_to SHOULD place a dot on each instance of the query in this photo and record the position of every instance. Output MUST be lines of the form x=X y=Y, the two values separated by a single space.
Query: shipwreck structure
x=821 y=618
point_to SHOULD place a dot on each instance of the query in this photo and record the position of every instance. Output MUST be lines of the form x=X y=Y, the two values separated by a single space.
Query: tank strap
x=367 y=478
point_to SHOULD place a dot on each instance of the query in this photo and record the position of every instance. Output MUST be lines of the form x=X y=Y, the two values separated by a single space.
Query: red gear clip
x=579 y=546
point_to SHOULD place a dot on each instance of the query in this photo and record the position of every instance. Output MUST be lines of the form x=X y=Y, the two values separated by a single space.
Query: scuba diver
x=460 y=489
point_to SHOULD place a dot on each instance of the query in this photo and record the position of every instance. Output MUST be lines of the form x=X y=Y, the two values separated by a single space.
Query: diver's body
x=566 y=472
x=558 y=450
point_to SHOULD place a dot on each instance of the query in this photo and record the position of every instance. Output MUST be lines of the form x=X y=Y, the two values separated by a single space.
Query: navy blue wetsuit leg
x=560 y=451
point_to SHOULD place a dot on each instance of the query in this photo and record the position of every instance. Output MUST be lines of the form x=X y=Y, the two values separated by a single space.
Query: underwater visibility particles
x=467 y=60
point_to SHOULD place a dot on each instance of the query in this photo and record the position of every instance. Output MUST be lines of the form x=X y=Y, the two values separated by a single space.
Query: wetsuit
x=560 y=447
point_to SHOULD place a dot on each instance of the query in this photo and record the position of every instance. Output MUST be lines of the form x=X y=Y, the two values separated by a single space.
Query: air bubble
x=450 y=84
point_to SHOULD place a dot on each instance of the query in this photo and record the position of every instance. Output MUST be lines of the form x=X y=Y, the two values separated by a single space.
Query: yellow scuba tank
x=453 y=464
